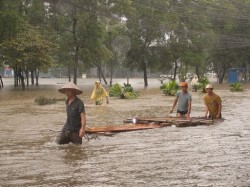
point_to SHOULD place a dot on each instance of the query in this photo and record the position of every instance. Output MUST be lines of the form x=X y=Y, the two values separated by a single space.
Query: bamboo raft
x=143 y=123
x=169 y=121
x=120 y=128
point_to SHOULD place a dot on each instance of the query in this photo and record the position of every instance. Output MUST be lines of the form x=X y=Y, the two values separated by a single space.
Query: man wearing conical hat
x=74 y=128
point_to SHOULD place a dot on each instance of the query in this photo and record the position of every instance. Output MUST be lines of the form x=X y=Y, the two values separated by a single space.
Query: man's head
x=97 y=84
x=70 y=89
x=209 y=88
x=184 y=86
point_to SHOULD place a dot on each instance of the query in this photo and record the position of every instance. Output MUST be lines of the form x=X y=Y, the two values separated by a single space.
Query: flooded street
x=203 y=156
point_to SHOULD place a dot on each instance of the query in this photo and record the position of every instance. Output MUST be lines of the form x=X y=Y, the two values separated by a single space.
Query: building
x=238 y=75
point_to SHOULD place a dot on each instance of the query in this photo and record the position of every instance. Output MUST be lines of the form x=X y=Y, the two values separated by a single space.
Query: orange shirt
x=212 y=102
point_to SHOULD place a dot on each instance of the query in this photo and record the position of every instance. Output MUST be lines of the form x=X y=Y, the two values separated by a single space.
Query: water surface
x=217 y=155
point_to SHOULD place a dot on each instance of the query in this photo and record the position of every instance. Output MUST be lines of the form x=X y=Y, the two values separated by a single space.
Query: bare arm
x=219 y=111
x=83 y=122
x=189 y=108
x=206 y=111
x=175 y=102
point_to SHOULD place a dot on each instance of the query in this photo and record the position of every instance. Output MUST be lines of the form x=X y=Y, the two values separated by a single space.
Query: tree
x=82 y=22
x=144 y=22
x=26 y=52
x=232 y=31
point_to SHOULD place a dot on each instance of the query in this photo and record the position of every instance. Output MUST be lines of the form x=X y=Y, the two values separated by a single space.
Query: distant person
x=1 y=81
x=212 y=103
x=194 y=83
x=184 y=99
x=74 y=128
x=99 y=93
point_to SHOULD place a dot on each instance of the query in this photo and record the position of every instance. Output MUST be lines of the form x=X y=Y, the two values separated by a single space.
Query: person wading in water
x=98 y=93
x=184 y=98
x=212 y=103
x=74 y=128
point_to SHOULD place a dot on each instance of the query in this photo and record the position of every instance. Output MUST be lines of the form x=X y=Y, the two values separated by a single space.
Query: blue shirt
x=183 y=99
x=74 y=110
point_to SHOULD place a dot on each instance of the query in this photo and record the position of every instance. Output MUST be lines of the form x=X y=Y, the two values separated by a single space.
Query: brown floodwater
x=216 y=155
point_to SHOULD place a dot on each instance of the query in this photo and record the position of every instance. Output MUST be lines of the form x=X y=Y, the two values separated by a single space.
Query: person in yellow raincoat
x=99 y=93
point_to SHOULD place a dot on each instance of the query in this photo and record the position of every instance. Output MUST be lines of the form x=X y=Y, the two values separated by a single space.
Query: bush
x=203 y=82
x=115 y=90
x=125 y=92
x=41 y=100
x=170 y=88
x=236 y=87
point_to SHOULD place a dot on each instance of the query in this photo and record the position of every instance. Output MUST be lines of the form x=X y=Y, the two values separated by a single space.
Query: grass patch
x=203 y=82
x=123 y=92
x=170 y=89
x=236 y=87
x=42 y=100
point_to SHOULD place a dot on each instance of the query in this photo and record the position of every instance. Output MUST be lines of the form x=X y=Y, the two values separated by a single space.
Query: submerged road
x=217 y=155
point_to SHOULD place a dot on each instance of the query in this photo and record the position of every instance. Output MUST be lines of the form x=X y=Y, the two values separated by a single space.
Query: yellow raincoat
x=98 y=93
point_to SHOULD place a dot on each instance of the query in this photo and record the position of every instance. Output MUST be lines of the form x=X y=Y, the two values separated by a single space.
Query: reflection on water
x=215 y=155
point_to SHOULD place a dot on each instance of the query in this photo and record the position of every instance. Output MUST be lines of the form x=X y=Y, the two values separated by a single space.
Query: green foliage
x=203 y=82
x=116 y=90
x=128 y=88
x=170 y=88
x=236 y=87
x=42 y=100
x=29 y=50
x=125 y=92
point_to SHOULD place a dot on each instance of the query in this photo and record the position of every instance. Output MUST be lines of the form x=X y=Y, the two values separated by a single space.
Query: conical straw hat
x=209 y=86
x=70 y=85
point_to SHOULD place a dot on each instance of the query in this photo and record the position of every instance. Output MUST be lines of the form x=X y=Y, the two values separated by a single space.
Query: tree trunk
x=175 y=70
x=20 y=75
x=1 y=84
x=111 y=72
x=145 y=75
x=220 y=70
x=27 y=78
x=220 y=79
x=37 y=76
x=221 y=76
x=102 y=75
x=32 y=77
x=75 y=75
x=197 y=71
x=69 y=73
x=74 y=24
x=15 y=77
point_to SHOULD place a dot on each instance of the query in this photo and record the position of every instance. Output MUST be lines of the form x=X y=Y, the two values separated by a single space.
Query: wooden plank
x=121 y=128
x=157 y=120
x=143 y=123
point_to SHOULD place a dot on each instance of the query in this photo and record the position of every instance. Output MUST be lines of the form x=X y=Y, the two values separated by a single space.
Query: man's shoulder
x=205 y=96
x=189 y=96
x=186 y=93
x=78 y=100
x=217 y=96
x=178 y=92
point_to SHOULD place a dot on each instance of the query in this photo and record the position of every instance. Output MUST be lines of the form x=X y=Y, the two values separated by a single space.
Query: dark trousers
x=182 y=112
x=66 y=136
